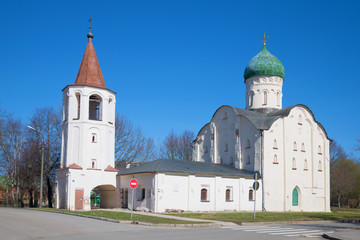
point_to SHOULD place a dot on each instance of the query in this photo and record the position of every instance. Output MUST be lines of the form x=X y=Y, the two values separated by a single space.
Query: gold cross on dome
x=264 y=39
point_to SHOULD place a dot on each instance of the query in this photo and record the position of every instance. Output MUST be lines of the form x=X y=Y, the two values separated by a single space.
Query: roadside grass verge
x=125 y=216
x=342 y=214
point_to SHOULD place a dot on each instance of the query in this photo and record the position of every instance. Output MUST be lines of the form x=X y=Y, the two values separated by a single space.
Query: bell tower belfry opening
x=88 y=134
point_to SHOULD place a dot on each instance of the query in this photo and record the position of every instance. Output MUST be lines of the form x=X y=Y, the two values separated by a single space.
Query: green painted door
x=295 y=195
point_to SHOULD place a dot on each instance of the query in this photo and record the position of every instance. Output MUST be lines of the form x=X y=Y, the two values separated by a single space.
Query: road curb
x=330 y=237
x=191 y=225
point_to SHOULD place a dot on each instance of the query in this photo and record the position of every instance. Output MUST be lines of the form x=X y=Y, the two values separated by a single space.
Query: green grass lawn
x=124 y=216
x=239 y=217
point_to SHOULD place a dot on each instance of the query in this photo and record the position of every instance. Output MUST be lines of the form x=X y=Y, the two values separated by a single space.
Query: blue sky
x=173 y=63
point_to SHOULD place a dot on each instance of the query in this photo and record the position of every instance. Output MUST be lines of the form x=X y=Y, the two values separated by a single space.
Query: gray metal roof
x=262 y=119
x=164 y=165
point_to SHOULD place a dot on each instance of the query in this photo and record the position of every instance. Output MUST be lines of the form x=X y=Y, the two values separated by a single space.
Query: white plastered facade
x=169 y=191
x=87 y=158
x=292 y=153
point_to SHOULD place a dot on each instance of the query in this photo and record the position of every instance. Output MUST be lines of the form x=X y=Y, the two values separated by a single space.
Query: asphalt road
x=30 y=224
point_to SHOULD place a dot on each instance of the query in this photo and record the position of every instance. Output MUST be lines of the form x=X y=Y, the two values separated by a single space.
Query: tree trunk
x=36 y=196
x=339 y=198
x=13 y=195
x=7 y=195
x=31 y=200
x=49 y=192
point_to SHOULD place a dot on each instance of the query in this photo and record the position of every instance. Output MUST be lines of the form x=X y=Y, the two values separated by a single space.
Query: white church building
x=286 y=145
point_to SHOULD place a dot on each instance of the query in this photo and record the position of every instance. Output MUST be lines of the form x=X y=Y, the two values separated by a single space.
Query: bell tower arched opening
x=95 y=107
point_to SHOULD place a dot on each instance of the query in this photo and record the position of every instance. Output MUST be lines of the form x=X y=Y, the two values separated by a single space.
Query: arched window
x=93 y=163
x=204 y=195
x=295 y=146
x=95 y=107
x=248 y=159
x=251 y=98
x=77 y=113
x=320 y=167
x=319 y=150
x=206 y=149
x=225 y=116
x=302 y=147
x=247 y=144
x=278 y=98
x=305 y=165
x=221 y=160
x=226 y=147
x=237 y=133
x=251 y=195
x=65 y=108
x=231 y=160
x=265 y=98
x=228 y=194
x=111 y=109
x=293 y=164
x=300 y=120
x=275 y=159
x=275 y=144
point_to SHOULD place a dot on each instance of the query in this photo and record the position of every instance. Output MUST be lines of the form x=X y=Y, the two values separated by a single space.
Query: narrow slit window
x=248 y=159
x=275 y=159
x=293 y=164
x=265 y=98
x=320 y=166
x=275 y=144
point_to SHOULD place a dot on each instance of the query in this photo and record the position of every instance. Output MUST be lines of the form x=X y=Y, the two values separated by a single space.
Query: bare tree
x=343 y=179
x=47 y=124
x=336 y=153
x=178 y=147
x=130 y=143
x=11 y=142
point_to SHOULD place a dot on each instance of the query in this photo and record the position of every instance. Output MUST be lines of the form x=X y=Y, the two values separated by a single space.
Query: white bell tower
x=87 y=152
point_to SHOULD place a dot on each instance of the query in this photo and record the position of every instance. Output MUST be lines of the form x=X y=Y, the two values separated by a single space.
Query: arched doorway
x=296 y=197
x=104 y=196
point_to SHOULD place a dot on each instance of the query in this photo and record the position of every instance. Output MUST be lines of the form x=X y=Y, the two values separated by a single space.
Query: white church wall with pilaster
x=297 y=138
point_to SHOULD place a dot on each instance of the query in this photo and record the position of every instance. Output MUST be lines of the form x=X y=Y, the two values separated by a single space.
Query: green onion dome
x=264 y=64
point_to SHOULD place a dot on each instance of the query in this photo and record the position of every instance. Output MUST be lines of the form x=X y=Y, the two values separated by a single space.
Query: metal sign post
x=133 y=184
x=257 y=176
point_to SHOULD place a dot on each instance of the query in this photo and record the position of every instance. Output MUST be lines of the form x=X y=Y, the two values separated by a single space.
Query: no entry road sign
x=133 y=183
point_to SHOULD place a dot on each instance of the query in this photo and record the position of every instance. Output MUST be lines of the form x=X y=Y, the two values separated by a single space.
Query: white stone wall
x=177 y=191
x=146 y=181
x=77 y=144
x=257 y=86
x=281 y=178
x=89 y=144
x=230 y=139
x=69 y=180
